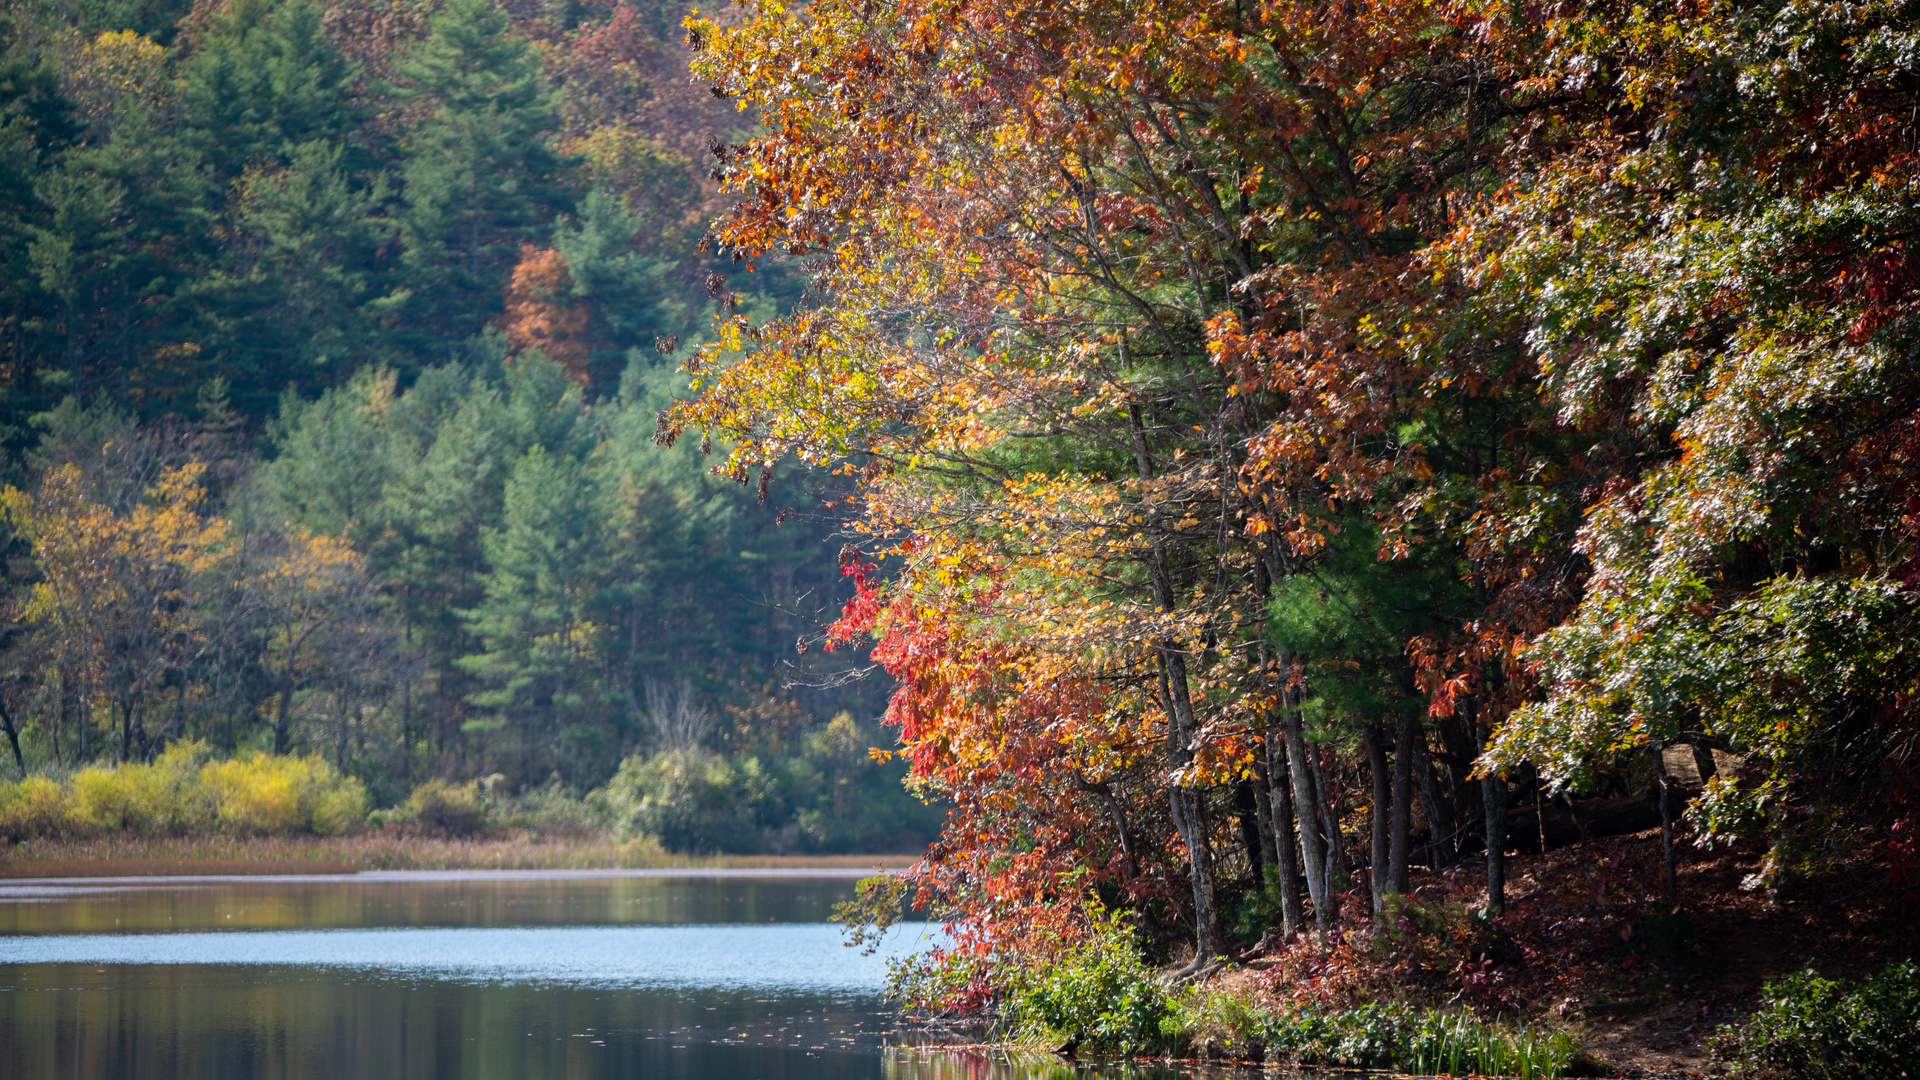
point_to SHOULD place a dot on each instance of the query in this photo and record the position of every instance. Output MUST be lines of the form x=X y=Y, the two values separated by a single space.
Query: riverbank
x=1590 y=971
x=127 y=856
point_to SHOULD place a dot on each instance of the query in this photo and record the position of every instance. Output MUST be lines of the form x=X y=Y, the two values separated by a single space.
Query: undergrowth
x=1810 y=1028
x=1098 y=995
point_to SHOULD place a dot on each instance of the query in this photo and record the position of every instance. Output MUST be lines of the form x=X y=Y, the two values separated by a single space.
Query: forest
x=334 y=342
x=1413 y=495
x=1315 y=456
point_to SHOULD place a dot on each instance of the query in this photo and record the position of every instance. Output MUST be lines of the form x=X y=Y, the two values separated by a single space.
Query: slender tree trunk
x=1329 y=825
x=1247 y=809
x=1441 y=831
x=1286 y=853
x=282 y=718
x=85 y=718
x=1666 y=831
x=1173 y=671
x=1493 y=800
x=1189 y=819
x=1406 y=746
x=59 y=720
x=1313 y=854
x=13 y=738
x=1540 y=807
x=1373 y=741
x=1263 y=808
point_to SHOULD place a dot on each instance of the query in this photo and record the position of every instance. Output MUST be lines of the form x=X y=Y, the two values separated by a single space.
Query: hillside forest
x=332 y=344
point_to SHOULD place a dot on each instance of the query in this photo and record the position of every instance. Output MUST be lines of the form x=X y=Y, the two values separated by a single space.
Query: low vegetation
x=687 y=802
x=1810 y=1028
x=182 y=792
x=1100 y=996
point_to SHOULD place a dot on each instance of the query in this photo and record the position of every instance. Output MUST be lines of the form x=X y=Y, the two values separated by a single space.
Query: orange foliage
x=542 y=315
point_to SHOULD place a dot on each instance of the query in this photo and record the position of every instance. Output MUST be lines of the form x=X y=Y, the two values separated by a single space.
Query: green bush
x=1810 y=1028
x=451 y=809
x=1100 y=995
x=548 y=809
x=1219 y=1021
x=692 y=800
x=1379 y=1035
x=822 y=793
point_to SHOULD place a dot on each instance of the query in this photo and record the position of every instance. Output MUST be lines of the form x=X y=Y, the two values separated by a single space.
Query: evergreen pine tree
x=36 y=124
x=547 y=567
x=479 y=177
x=127 y=225
x=625 y=286
x=264 y=82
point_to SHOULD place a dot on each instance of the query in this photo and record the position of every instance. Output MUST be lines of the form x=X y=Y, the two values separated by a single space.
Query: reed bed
x=384 y=849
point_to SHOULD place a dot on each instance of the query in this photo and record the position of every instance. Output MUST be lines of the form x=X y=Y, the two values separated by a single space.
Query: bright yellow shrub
x=182 y=793
x=36 y=806
x=161 y=798
x=275 y=796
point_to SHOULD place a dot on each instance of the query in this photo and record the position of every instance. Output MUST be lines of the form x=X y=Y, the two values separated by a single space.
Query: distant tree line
x=333 y=338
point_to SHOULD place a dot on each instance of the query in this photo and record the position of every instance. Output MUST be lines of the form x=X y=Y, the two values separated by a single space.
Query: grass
x=383 y=849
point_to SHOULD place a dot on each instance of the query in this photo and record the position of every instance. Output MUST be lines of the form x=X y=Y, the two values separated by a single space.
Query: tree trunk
x=1493 y=798
x=1666 y=832
x=1406 y=746
x=13 y=738
x=1248 y=811
x=282 y=718
x=1442 y=849
x=1373 y=741
x=1313 y=855
x=1189 y=819
x=1181 y=725
x=1285 y=850
x=1329 y=826
x=1263 y=809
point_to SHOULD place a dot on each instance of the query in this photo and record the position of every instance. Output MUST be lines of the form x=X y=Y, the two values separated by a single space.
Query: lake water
x=506 y=976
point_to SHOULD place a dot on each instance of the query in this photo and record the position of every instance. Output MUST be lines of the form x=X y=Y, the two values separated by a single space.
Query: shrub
x=1810 y=1028
x=692 y=800
x=1099 y=994
x=451 y=809
x=549 y=809
x=268 y=795
x=165 y=797
x=1379 y=1035
x=181 y=793
x=1221 y=1020
x=34 y=807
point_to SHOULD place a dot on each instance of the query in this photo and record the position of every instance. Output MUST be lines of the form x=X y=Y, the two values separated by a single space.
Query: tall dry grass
x=379 y=850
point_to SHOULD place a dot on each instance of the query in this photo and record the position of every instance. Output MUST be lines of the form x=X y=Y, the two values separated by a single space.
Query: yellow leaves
x=95 y=564
x=118 y=68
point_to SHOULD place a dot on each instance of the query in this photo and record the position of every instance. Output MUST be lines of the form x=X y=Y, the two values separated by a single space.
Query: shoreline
x=266 y=876
x=387 y=852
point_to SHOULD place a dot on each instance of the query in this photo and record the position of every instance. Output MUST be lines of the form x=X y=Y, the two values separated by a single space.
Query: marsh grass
x=379 y=850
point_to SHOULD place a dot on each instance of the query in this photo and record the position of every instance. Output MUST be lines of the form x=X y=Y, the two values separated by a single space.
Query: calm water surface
x=510 y=976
